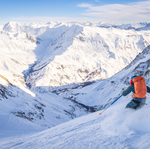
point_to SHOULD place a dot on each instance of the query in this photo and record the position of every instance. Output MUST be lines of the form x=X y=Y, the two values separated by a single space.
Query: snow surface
x=116 y=128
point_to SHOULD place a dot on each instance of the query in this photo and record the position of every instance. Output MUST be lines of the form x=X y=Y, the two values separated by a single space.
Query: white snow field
x=52 y=75
x=116 y=128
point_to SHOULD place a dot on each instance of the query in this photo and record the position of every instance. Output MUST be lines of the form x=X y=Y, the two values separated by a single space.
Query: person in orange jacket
x=139 y=89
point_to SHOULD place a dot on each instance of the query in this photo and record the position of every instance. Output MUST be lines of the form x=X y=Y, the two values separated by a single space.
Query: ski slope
x=116 y=128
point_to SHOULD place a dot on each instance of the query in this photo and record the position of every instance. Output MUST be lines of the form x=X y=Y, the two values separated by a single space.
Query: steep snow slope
x=116 y=128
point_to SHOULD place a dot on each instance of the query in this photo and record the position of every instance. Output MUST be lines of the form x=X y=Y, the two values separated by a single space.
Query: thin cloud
x=112 y=13
x=84 y=5
x=57 y=19
x=131 y=11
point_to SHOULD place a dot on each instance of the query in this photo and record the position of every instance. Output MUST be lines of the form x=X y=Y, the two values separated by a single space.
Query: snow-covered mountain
x=55 y=54
x=52 y=73
x=80 y=54
x=59 y=57
x=116 y=128
x=19 y=51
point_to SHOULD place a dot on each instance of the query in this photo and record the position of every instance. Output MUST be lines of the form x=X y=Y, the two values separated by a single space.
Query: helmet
x=133 y=77
x=131 y=82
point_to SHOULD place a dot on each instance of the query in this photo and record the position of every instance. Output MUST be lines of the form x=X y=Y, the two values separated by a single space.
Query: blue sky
x=43 y=11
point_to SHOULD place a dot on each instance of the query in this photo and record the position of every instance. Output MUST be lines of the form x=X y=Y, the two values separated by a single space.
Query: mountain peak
x=12 y=26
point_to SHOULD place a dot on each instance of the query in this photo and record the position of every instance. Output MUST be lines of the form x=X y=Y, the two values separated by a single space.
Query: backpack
x=139 y=87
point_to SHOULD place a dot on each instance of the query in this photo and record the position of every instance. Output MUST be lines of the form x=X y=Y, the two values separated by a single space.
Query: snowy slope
x=115 y=128
x=66 y=59
x=41 y=109
x=53 y=54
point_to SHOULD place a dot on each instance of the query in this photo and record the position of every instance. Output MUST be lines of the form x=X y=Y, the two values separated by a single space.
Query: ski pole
x=110 y=104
